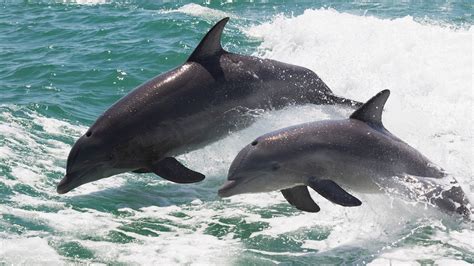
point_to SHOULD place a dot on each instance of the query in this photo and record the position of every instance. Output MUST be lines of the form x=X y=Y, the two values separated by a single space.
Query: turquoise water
x=63 y=63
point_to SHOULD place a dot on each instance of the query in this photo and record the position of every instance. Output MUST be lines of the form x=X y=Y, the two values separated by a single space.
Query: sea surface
x=63 y=63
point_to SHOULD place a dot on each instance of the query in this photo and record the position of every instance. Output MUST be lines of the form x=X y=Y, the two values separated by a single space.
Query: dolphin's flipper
x=371 y=111
x=299 y=197
x=333 y=192
x=210 y=45
x=169 y=168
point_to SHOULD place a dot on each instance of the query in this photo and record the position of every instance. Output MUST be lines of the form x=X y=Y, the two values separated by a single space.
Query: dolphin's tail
x=446 y=194
x=451 y=200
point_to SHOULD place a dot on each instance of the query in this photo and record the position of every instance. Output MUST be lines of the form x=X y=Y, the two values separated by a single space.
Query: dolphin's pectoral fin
x=333 y=192
x=299 y=197
x=169 y=168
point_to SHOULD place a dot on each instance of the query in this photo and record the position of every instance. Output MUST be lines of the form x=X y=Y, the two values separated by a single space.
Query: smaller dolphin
x=357 y=153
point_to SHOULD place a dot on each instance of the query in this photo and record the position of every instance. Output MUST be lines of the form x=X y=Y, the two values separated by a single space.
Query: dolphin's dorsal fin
x=211 y=43
x=371 y=111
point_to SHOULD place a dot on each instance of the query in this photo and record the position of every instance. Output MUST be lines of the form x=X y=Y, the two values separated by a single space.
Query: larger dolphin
x=186 y=108
x=356 y=153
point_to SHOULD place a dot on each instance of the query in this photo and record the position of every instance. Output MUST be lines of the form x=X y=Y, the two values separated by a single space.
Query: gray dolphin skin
x=210 y=95
x=356 y=153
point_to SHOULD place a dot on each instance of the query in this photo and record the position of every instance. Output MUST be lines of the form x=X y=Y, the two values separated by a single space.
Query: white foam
x=57 y=127
x=87 y=2
x=25 y=200
x=5 y=152
x=69 y=221
x=28 y=251
x=185 y=243
x=25 y=175
x=187 y=249
x=463 y=238
x=410 y=256
x=199 y=11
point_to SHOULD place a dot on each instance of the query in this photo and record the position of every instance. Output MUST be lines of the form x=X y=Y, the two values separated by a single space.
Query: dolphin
x=358 y=153
x=213 y=93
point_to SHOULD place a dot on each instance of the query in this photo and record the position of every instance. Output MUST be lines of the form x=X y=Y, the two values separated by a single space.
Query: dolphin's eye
x=275 y=166
x=255 y=142
x=88 y=133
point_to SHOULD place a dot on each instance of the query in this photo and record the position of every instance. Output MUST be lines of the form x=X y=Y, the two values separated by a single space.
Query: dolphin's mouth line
x=230 y=184
x=69 y=183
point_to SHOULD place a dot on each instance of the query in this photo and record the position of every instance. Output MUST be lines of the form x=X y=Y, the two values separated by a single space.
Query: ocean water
x=62 y=63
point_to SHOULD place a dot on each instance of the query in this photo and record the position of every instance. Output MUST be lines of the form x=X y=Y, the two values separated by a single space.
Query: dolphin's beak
x=65 y=185
x=225 y=190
